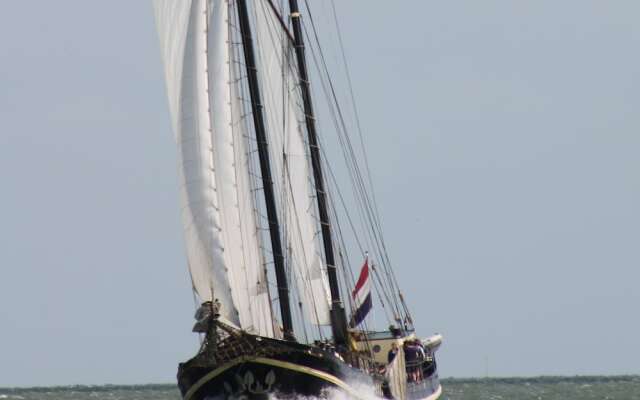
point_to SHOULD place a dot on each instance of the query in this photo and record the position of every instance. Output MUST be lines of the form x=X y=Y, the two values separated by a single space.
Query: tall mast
x=338 y=317
x=265 y=168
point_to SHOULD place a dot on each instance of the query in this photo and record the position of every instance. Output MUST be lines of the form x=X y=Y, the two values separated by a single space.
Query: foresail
x=182 y=26
x=222 y=243
x=291 y=167
x=172 y=21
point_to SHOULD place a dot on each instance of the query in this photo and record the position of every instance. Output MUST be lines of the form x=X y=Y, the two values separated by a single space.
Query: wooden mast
x=265 y=168
x=338 y=316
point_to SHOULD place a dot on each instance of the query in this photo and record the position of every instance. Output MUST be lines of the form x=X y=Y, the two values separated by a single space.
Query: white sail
x=172 y=21
x=182 y=30
x=238 y=228
x=258 y=317
x=291 y=167
x=260 y=303
x=222 y=245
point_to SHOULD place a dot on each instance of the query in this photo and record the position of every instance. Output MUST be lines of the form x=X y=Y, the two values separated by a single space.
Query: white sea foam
x=362 y=391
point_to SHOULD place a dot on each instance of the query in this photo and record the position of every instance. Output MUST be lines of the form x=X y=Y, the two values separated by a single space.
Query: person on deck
x=421 y=356
x=411 y=359
x=393 y=352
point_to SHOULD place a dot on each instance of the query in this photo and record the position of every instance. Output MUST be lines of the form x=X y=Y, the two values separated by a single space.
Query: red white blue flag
x=362 y=295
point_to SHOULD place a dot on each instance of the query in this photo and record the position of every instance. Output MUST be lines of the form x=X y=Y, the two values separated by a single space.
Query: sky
x=503 y=138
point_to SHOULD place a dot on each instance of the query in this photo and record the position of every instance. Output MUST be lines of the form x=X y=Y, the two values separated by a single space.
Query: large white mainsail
x=221 y=237
x=253 y=258
x=291 y=165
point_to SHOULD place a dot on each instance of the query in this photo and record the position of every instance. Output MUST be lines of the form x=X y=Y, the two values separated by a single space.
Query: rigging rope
x=369 y=207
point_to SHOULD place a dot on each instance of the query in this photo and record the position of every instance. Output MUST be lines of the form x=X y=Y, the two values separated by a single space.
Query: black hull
x=283 y=368
x=258 y=378
x=251 y=367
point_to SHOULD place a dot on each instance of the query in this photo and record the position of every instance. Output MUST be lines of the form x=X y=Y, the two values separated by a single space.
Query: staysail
x=217 y=209
x=291 y=165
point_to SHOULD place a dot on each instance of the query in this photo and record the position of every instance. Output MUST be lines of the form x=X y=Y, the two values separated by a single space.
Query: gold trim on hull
x=275 y=363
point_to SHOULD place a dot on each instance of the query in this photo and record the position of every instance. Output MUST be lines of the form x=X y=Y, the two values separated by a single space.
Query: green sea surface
x=540 y=388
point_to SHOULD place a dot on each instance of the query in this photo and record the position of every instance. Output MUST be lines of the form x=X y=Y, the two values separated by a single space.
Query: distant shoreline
x=543 y=379
x=546 y=379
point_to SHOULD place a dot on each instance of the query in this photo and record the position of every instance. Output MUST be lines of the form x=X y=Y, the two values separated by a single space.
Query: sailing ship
x=268 y=257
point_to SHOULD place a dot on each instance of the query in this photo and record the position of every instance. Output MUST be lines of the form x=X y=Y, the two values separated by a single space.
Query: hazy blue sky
x=505 y=139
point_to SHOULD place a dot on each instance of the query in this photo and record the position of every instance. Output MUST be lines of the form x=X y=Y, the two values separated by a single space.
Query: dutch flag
x=362 y=295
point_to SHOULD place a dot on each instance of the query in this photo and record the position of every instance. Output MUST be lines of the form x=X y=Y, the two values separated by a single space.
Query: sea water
x=543 y=388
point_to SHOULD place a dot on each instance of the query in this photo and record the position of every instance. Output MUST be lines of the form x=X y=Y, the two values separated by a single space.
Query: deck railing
x=421 y=369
